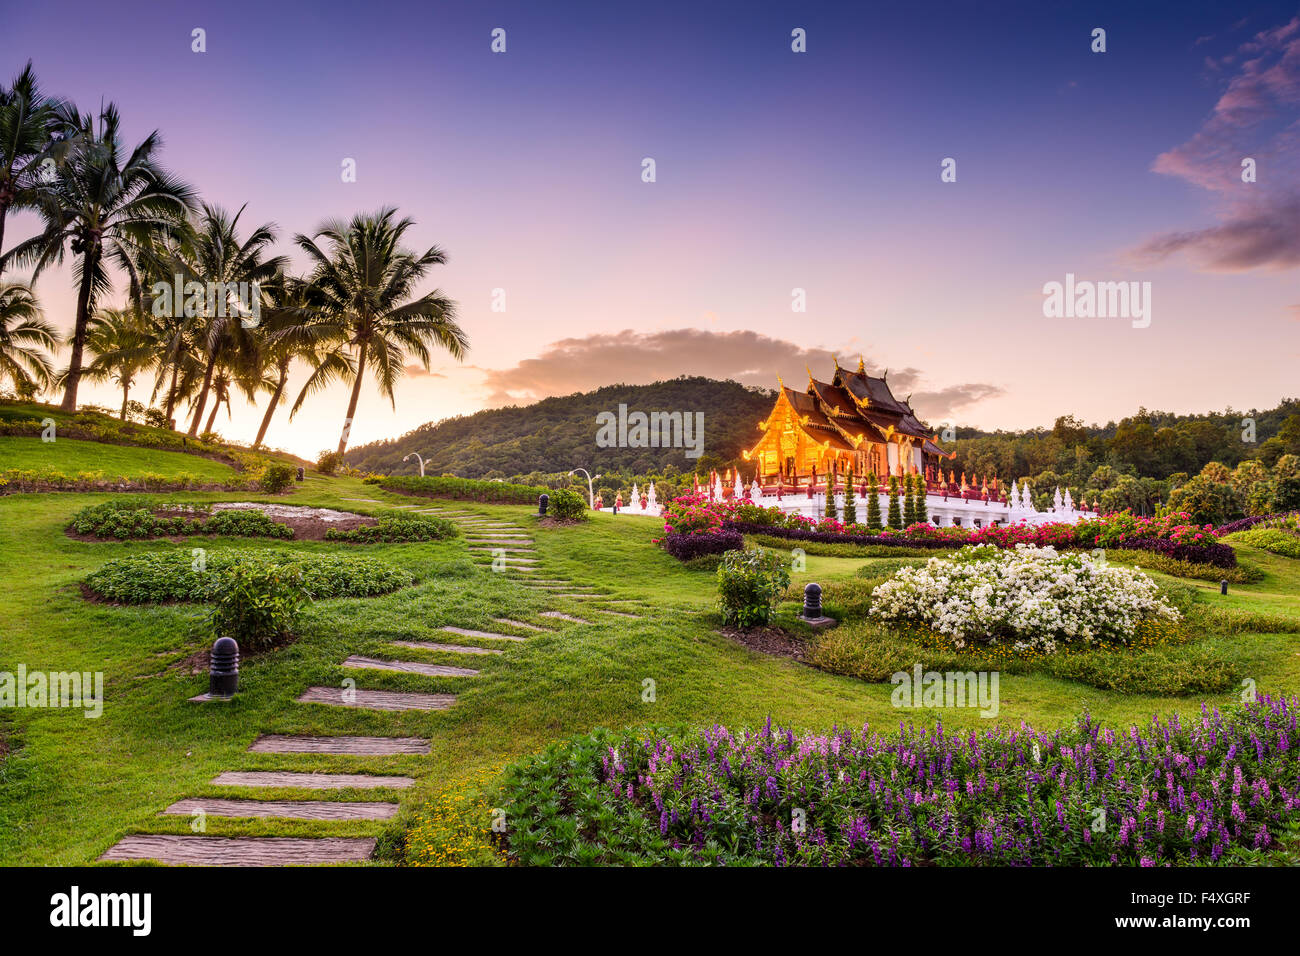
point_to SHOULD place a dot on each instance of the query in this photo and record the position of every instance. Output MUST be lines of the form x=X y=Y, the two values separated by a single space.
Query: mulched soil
x=768 y=640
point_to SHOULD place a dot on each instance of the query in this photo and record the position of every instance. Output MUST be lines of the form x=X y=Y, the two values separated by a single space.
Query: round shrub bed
x=1031 y=597
x=179 y=576
x=125 y=519
x=1219 y=789
x=396 y=528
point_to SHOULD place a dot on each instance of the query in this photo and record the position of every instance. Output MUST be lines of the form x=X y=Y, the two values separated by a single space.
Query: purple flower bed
x=1218 y=555
x=683 y=547
x=1245 y=524
x=1219 y=788
x=830 y=537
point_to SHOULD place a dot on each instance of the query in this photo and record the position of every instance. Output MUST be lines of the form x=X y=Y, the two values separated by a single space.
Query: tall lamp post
x=591 y=492
x=416 y=456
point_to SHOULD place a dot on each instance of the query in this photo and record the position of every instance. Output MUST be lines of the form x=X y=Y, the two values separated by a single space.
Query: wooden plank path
x=409 y=667
x=376 y=699
x=241 y=851
x=284 y=809
x=366 y=746
x=308 y=781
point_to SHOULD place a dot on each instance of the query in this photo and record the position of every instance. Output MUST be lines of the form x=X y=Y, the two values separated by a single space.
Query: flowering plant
x=1033 y=597
x=1216 y=788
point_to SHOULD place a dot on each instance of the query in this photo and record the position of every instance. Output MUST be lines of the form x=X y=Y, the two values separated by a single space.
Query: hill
x=557 y=434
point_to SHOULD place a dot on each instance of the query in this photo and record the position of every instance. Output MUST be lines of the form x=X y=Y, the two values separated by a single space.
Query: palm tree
x=107 y=208
x=123 y=345
x=31 y=128
x=24 y=336
x=365 y=283
x=279 y=347
x=211 y=252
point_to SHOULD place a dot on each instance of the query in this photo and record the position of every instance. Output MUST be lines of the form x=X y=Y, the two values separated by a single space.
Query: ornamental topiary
x=750 y=583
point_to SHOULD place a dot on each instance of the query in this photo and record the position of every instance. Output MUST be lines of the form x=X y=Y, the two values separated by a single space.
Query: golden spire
x=862 y=366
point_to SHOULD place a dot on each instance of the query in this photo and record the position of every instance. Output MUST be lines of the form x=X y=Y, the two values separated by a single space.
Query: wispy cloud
x=580 y=364
x=1257 y=116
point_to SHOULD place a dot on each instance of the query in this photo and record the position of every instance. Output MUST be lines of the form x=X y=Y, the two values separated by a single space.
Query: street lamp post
x=591 y=491
x=416 y=456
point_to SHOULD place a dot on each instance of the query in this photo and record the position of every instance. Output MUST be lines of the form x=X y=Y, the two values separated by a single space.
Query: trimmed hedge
x=830 y=537
x=396 y=528
x=1218 y=555
x=686 y=547
x=463 y=489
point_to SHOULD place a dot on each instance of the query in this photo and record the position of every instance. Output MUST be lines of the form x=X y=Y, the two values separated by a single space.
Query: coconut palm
x=123 y=345
x=31 y=131
x=365 y=282
x=279 y=347
x=211 y=252
x=106 y=207
x=24 y=339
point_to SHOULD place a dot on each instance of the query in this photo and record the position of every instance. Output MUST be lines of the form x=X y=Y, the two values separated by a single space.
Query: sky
x=775 y=171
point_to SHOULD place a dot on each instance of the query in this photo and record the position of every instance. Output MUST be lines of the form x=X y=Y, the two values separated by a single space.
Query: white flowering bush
x=1031 y=596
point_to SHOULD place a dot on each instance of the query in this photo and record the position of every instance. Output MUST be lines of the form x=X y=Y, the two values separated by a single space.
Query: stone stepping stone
x=376 y=699
x=512 y=560
x=365 y=746
x=409 y=667
x=469 y=632
x=530 y=627
x=564 y=617
x=308 y=781
x=601 y=610
x=490 y=546
x=372 y=501
x=450 y=648
x=543 y=586
x=575 y=597
x=240 y=851
x=284 y=809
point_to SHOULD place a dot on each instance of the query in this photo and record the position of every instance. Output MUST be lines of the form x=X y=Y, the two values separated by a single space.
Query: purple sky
x=775 y=171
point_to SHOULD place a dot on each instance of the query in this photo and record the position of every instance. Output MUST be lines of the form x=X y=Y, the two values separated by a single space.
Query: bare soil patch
x=768 y=640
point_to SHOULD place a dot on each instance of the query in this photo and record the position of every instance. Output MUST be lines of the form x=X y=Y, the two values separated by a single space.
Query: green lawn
x=70 y=455
x=70 y=786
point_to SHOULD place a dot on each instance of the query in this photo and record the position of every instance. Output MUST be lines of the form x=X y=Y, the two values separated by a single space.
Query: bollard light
x=542 y=502
x=223 y=670
x=812 y=601
x=1223 y=586
x=302 y=473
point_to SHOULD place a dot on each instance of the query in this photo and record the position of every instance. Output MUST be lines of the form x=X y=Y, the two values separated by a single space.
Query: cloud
x=637 y=358
x=1256 y=116
x=419 y=371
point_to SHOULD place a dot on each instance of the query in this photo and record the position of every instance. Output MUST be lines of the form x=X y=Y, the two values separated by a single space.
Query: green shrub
x=275 y=477
x=259 y=604
x=396 y=527
x=245 y=523
x=567 y=505
x=750 y=583
x=1272 y=540
x=1243 y=573
x=327 y=462
x=463 y=489
x=180 y=575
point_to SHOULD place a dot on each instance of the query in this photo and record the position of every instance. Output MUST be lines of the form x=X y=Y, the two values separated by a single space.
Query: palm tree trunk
x=69 y=403
x=270 y=409
x=203 y=396
x=216 y=407
x=126 y=390
x=171 y=392
x=352 y=402
x=4 y=212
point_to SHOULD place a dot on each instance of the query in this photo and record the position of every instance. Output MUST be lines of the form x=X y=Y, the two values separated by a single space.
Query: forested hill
x=557 y=434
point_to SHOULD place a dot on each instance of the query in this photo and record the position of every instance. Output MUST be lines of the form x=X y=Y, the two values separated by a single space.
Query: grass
x=71 y=455
x=70 y=787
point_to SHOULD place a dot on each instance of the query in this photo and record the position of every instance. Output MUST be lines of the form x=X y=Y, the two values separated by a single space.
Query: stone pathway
x=376 y=699
x=241 y=851
x=488 y=540
x=283 y=809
